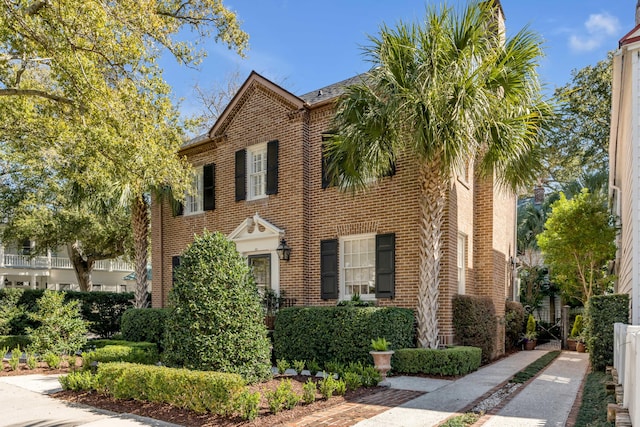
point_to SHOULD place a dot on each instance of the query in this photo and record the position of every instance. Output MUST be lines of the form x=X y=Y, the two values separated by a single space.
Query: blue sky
x=304 y=45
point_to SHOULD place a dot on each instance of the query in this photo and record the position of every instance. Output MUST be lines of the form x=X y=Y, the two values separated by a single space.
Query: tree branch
x=35 y=92
x=35 y=8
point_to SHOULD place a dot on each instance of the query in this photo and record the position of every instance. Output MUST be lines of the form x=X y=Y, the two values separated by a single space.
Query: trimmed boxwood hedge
x=13 y=341
x=196 y=390
x=602 y=312
x=144 y=324
x=449 y=361
x=341 y=334
x=143 y=353
x=474 y=320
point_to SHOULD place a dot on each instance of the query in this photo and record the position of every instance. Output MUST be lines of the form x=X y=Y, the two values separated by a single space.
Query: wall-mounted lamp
x=284 y=251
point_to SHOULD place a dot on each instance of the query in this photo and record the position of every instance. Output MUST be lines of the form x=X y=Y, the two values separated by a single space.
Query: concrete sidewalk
x=25 y=403
x=548 y=399
x=447 y=398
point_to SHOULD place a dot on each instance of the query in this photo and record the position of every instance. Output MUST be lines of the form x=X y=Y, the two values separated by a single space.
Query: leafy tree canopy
x=577 y=245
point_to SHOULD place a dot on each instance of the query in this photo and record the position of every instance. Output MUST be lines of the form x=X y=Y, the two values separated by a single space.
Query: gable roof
x=332 y=91
x=630 y=37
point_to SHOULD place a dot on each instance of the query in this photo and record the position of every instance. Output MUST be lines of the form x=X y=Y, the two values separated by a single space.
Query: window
x=64 y=286
x=96 y=287
x=358 y=266
x=193 y=201
x=26 y=247
x=261 y=269
x=462 y=264
x=257 y=167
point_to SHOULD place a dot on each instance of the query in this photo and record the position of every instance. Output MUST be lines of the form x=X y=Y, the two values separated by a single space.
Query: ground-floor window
x=261 y=269
x=358 y=266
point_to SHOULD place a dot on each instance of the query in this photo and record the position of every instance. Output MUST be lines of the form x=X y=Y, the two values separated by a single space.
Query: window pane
x=358 y=264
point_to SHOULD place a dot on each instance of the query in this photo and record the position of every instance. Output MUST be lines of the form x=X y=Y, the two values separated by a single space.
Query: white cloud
x=602 y=22
x=598 y=27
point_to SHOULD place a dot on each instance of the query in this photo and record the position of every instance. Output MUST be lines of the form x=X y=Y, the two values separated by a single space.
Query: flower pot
x=382 y=361
x=571 y=344
x=581 y=347
x=530 y=344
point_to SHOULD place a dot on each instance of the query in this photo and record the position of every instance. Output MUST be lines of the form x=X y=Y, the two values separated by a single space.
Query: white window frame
x=193 y=202
x=343 y=267
x=461 y=262
x=257 y=174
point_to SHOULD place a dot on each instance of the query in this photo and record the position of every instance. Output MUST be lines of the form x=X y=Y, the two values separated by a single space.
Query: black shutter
x=385 y=265
x=209 y=187
x=175 y=262
x=272 y=167
x=329 y=269
x=241 y=181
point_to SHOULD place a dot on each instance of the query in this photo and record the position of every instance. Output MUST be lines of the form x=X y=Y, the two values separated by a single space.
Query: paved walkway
x=548 y=399
x=25 y=403
x=409 y=402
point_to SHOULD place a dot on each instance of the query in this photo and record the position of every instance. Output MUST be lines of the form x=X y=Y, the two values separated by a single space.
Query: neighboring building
x=259 y=179
x=624 y=165
x=18 y=269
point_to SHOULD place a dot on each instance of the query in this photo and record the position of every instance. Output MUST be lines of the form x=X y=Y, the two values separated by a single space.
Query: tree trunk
x=140 y=226
x=81 y=266
x=432 y=203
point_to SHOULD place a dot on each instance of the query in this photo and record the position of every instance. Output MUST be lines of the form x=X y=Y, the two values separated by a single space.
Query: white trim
x=197 y=196
x=462 y=281
x=262 y=174
x=342 y=296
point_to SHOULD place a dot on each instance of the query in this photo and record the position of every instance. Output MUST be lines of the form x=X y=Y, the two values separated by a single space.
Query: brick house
x=260 y=179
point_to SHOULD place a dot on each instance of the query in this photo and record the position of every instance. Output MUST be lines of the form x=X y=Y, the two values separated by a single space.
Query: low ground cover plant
x=146 y=355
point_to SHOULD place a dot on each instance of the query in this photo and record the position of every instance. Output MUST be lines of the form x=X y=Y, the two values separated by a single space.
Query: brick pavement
x=350 y=413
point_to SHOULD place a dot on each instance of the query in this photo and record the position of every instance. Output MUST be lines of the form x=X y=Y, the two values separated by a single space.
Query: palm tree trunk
x=140 y=226
x=432 y=204
x=81 y=266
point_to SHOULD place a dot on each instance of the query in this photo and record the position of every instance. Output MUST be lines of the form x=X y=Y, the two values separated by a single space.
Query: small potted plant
x=381 y=355
x=580 y=344
x=576 y=331
x=530 y=337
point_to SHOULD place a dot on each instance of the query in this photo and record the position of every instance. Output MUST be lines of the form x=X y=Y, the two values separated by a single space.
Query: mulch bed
x=165 y=412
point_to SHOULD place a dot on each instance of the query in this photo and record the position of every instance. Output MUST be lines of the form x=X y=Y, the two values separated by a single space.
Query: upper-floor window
x=256 y=171
x=193 y=200
x=257 y=166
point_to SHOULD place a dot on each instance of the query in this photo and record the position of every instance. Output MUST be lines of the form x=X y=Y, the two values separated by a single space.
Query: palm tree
x=443 y=92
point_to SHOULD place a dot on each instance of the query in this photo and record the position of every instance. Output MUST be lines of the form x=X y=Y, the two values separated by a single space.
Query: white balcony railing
x=55 y=262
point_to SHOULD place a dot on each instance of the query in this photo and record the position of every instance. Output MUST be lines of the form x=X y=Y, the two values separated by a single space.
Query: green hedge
x=449 y=361
x=474 y=320
x=13 y=341
x=601 y=313
x=196 y=390
x=102 y=310
x=341 y=334
x=144 y=324
x=146 y=354
x=513 y=324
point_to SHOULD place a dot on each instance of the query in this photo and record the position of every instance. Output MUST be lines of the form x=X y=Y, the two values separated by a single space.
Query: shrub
x=601 y=313
x=298 y=365
x=309 y=390
x=313 y=366
x=342 y=334
x=514 y=319
x=144 y=324
x=94 y=344
x=12 y=341
x=449 y=361
x=77 y=381
x=145 y=355
x=14 y=360
x=52 y=360
x=10 y=311
x=102 y=310
x=282 y=397
x=61 y=329
x=282 y=365
x=328 y=385
x=576 y=330
x=352 y=380
x=216 y=321
x=474 y=320
x=531 y=333
x=32 y=361
x=199 y=391
x=248 y=405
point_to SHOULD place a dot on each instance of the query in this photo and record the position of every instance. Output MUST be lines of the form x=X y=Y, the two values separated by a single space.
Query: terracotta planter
x=581 y=347
x=382 y=361
x=530 y=344
x=571 y=344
